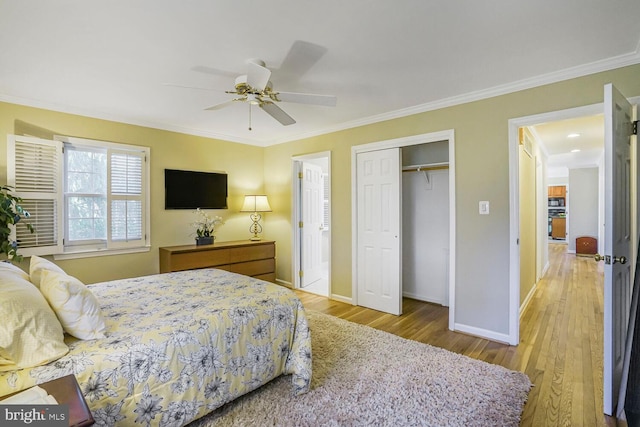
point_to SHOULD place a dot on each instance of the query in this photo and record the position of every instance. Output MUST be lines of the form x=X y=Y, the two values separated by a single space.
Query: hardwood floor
x=561 y=342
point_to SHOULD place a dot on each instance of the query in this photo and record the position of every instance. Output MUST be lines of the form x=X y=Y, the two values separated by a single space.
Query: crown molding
x=541 y=80
x=28 y=102
x=557 y=76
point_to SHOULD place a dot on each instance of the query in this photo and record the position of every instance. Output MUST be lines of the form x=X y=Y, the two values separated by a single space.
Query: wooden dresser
x=251 y=258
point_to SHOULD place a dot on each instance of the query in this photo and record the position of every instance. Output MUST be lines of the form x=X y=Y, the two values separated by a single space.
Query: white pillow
x=76 y=307
x=7 y=267
x=38 y=265
x=30 y=334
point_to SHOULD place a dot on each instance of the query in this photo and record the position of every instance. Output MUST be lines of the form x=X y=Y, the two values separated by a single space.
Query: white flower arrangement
x=206 y=225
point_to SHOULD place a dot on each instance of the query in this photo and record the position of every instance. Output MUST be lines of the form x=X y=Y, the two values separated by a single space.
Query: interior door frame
x=296 y=215
x=514 y=201
x=446 y=135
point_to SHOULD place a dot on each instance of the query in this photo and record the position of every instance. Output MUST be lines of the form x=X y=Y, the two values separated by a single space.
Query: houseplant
x=10 y=214
x=205 y=226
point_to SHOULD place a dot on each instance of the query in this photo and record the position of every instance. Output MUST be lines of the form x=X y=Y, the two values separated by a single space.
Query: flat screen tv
x=192 y=190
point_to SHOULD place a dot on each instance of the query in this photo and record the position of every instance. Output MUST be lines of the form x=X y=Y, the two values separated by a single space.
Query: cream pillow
x=30 y=334
x=38 y=265
x=7 y=267
x=76 y=307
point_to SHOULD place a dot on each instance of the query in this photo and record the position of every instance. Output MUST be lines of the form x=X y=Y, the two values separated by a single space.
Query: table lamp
x=255 y=204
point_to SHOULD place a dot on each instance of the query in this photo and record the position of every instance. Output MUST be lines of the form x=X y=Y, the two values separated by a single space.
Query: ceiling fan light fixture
x=253 y=99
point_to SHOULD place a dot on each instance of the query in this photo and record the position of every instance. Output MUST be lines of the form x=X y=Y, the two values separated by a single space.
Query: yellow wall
x=243 y=163
x=527 y=193
x=482 y=173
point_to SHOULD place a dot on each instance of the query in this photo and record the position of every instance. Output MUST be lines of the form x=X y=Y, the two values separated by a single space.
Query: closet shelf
x=422 y=168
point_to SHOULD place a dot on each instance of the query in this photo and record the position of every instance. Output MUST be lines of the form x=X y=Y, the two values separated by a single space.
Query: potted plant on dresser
x=11 y=213
x=205 y=226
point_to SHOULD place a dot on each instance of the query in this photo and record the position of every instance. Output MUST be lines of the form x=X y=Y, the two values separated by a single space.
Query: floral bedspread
x=180 y=345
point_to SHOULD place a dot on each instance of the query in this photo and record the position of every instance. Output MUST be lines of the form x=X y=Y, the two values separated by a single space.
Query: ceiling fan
x=255 y=88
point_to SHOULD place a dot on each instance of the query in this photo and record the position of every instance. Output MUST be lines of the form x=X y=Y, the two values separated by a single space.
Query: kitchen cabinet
x=558 y=228
x=557 y=191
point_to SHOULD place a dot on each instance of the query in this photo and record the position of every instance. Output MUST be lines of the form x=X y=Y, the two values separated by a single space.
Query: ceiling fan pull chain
x=249 y=116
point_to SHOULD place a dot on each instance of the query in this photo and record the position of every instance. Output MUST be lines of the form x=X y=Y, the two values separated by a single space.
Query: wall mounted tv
x=192 y=190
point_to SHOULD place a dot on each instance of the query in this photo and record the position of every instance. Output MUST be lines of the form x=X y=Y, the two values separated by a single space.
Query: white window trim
x=70 y=252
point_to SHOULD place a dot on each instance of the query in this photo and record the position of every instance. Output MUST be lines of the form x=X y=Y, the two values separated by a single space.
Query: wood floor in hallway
x=561 y=339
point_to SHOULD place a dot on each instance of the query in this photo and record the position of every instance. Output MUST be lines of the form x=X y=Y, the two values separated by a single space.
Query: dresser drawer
x=256 y=259
x=194 y=260
x=251 y=268
x=251 y=253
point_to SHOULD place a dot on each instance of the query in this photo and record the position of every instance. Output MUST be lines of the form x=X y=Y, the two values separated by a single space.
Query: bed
x=179 y=345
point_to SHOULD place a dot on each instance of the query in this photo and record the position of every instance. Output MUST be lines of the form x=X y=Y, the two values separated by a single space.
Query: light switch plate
x=483 y=207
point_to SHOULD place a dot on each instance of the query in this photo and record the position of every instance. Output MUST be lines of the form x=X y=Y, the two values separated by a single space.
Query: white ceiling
x=560 y=147
x=382 y=59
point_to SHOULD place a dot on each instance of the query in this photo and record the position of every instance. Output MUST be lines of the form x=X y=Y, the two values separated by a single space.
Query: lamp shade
x=255 y=203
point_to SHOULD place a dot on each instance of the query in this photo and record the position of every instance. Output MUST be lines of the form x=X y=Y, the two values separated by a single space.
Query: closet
x=425 y=222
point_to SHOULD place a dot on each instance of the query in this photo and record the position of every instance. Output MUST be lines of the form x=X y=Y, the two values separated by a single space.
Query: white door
x=617 y=274
x=312 y=191
x=378 y=236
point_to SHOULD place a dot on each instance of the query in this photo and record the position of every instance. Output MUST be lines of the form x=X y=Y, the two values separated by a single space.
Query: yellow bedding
x=180 y=345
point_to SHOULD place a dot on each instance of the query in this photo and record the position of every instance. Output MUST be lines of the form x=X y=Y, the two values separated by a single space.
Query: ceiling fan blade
x=214 y=71
x=193 y=87
x=277 y=113
x=299 y=60
x=307 y=98
x=257 y=76
x=221 y=105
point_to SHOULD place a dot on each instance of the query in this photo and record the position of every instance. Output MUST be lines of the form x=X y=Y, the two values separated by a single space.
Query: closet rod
x=425 y=168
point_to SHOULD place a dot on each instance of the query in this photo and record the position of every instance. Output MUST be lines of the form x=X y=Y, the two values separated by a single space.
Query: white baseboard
x=527 y=300
x=284 y=283
x=341 y=298
x=545 y=269
x=482 y=333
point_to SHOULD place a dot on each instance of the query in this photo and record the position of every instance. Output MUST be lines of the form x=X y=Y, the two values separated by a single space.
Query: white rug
x=366 y=377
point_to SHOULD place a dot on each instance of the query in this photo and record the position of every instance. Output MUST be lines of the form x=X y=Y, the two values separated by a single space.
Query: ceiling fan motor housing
x=242 y=87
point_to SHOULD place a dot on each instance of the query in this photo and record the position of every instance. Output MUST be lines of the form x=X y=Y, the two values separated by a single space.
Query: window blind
x=35 y=175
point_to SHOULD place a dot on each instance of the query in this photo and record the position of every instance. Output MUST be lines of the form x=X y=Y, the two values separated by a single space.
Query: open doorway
x=523 y=255
x=312 y=212
x=561 y=199
x=619 y=167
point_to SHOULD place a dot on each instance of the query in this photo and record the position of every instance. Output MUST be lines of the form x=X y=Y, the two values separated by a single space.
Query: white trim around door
x=296 y=216
x=446 y=135
x=514 y=203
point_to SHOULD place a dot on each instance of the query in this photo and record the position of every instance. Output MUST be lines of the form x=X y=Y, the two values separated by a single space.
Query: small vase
x=204 y=240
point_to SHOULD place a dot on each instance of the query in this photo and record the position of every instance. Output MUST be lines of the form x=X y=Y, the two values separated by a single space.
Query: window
x=83 y=195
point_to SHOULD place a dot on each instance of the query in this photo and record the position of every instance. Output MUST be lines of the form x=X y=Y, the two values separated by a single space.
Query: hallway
x=561 y=343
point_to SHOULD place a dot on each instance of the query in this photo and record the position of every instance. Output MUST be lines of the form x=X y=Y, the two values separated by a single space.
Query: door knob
x=608 y=259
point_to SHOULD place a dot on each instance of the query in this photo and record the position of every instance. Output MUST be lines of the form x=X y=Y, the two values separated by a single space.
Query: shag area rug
x=366 y=377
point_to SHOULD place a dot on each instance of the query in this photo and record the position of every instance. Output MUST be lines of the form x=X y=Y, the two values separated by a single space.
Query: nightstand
x=67 y=391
